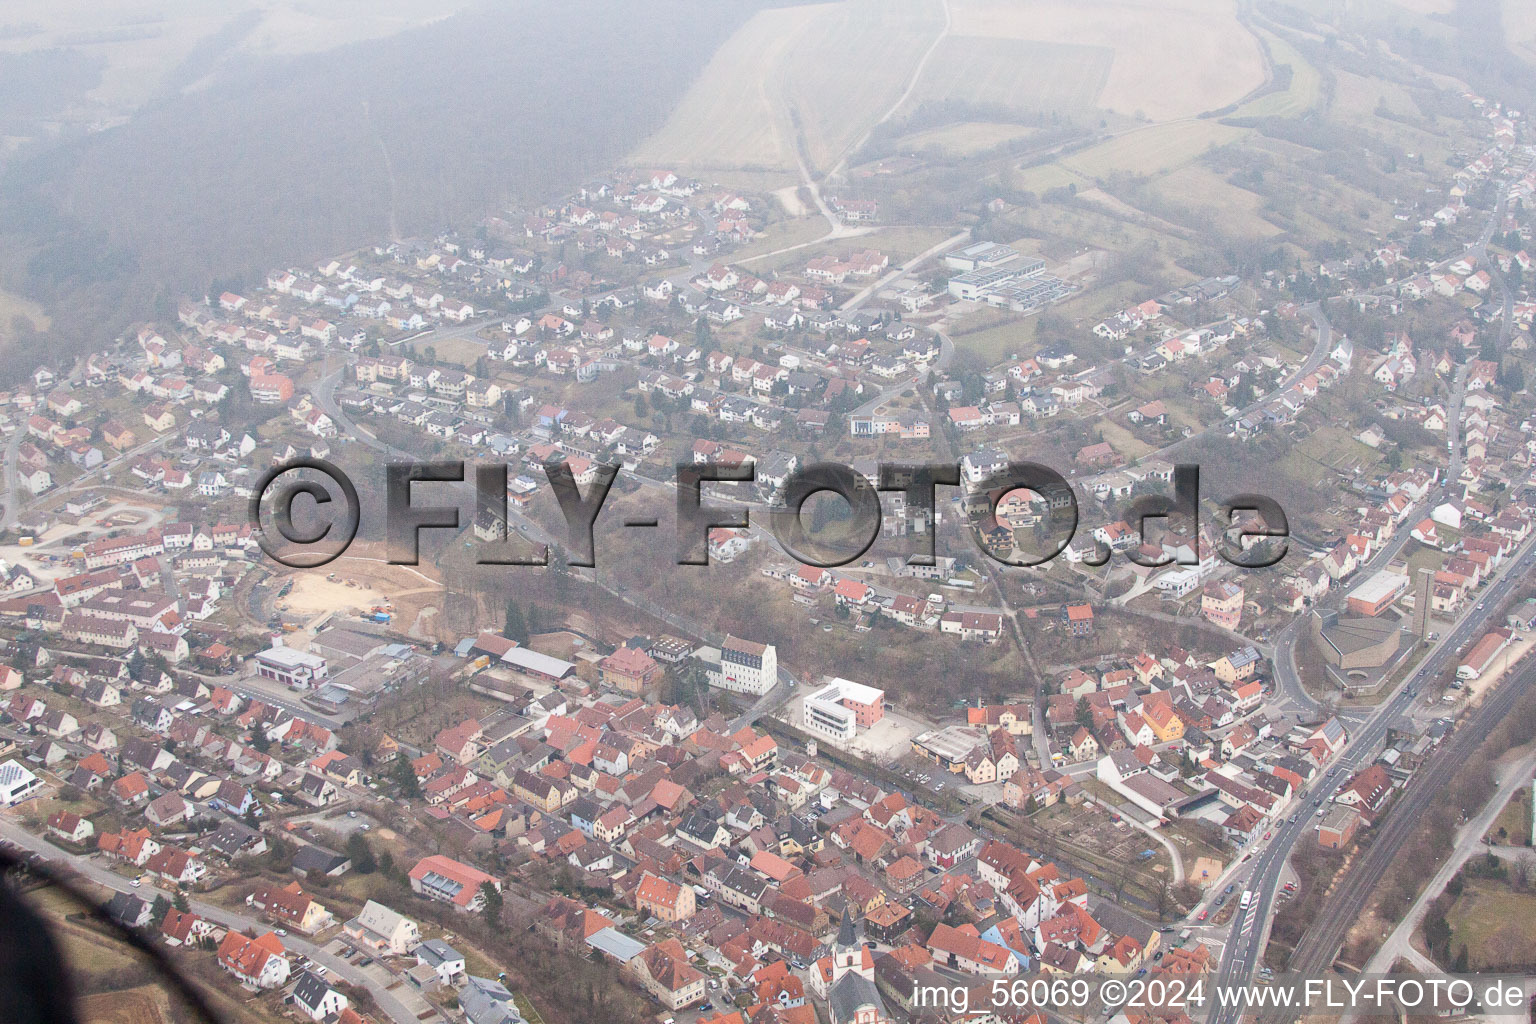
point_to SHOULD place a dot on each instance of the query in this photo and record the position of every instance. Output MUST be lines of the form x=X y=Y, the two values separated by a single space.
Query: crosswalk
x=1250 y=917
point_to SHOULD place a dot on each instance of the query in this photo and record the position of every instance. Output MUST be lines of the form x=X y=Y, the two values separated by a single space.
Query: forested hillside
x=288 y=159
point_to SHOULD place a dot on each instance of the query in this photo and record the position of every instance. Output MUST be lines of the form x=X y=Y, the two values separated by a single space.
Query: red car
x=1269 y=835
x=1204 y=914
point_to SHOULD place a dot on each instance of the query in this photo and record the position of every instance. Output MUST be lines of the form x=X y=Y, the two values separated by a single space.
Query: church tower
x=849 y=956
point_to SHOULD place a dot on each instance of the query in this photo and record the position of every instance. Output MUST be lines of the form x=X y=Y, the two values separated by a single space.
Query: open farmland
x=1235 y=210
x=845 y=73
x=836 y=67
x=1152 y=149
x=965 y=138
x=1301 y=93
x=144 y=46
x=1218 y=60
x=1020 y=74
x=734 y=114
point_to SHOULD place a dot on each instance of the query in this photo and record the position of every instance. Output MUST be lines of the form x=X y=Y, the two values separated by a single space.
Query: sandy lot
x=313 y=594
x=415 y=591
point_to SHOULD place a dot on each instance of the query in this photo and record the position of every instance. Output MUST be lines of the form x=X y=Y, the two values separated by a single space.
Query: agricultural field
x=1021 y=74
x=1236 y=210
x=965 y=138
x=845 y=74
x=1152 y=149
x=734 y=114
x=1218 y=60
x=1302 y=94
x=812 y=63
x=141 y=44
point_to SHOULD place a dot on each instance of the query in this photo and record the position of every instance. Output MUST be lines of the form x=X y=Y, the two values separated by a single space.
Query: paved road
x=97 y=873
x=12 y=500
x=1249 y=929
x=1320 y=350
x=1326 y=934
x=1469 y=842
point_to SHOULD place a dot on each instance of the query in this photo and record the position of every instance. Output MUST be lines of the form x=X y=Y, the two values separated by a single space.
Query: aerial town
x=766 y=791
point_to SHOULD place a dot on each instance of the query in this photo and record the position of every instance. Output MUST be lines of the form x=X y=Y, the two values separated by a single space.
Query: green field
x=1497 y=926
x=965 y=137
x=994 y=333
x=1303 y=93
x=1153 y=149
x=1020 y=74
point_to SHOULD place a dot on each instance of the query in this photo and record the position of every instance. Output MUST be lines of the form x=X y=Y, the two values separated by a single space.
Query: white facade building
x=745 y=667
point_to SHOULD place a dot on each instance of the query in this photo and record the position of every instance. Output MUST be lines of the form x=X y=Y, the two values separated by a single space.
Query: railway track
x=1320 y=945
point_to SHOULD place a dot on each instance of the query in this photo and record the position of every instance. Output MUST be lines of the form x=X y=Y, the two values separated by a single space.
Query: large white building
x=290 y=667
x=745 y=667
x=979 y=256
x=17 y=784
x=841 y=708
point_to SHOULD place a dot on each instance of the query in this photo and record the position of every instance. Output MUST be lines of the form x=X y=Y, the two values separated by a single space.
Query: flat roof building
x=842 y=707
x=1376 y=594
x=291 y=667
x=979 y=255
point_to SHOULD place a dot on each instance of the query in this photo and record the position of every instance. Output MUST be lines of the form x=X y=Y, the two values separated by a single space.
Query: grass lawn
x=902 y=243
x=1303 y=93
x=1513 y=825
x=1422 y=557
x=966 y=137
x=1152 y=149
x=1001 y=333
x=459 y=351
x=1497 y=925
